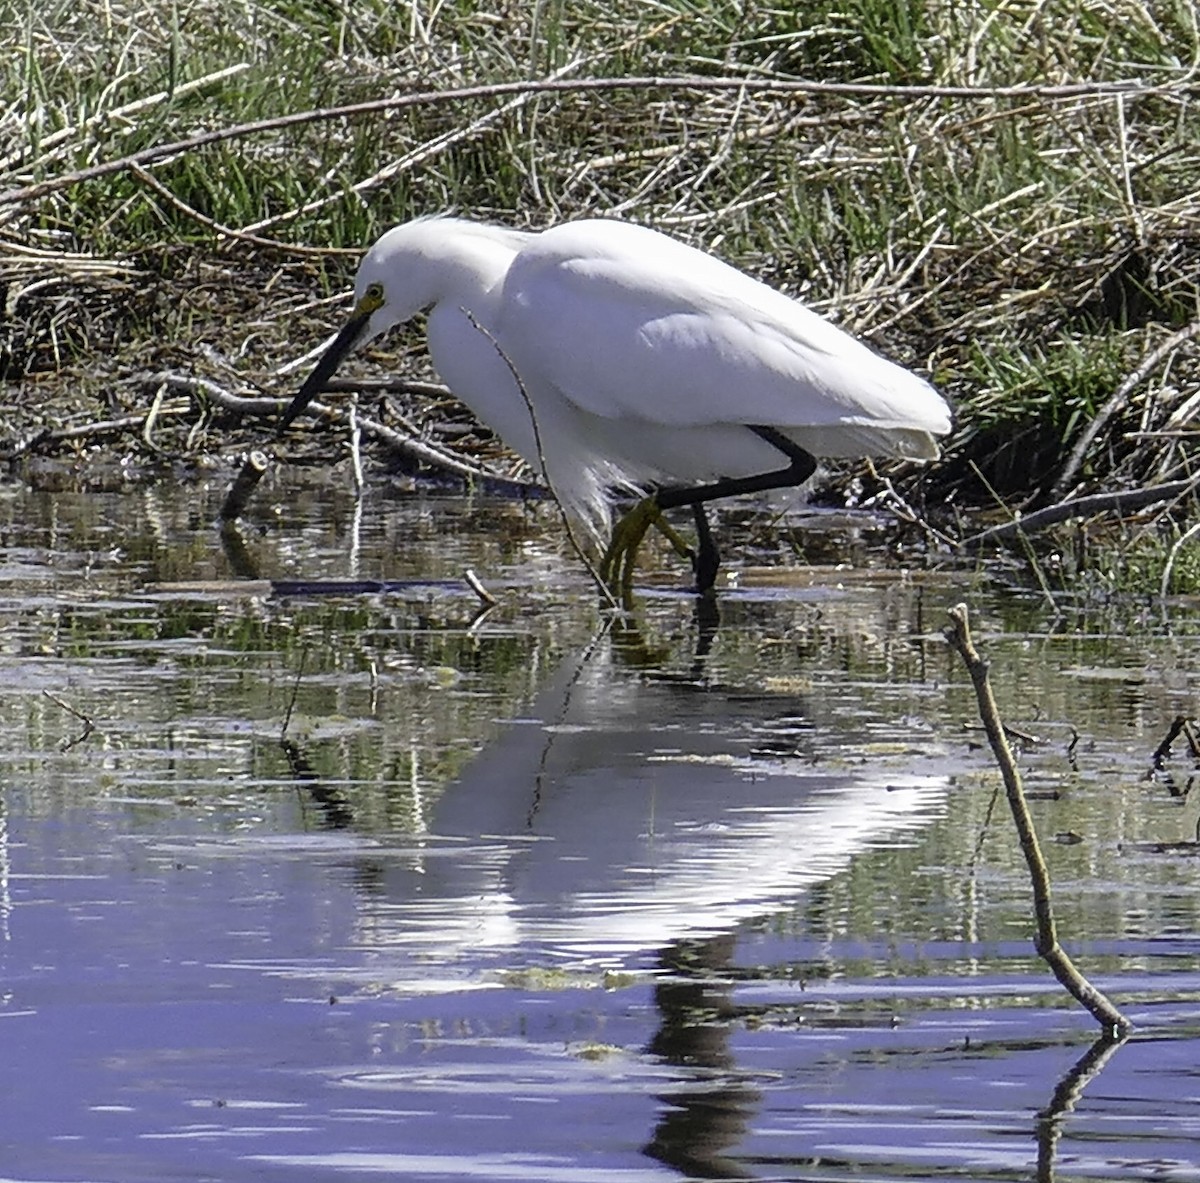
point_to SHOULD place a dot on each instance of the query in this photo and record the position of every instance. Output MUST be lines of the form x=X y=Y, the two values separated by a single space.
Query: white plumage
x=646 y=363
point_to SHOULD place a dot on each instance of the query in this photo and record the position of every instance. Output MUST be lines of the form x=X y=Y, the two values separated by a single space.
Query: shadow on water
x=540 y=897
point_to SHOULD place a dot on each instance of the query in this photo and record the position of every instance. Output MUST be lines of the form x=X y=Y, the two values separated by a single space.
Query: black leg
x=801 y=466
x=708 y=620
x=706 y=558
x=618 y=563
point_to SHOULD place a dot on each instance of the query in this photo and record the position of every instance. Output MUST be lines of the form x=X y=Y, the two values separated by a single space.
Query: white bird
x=612 y=357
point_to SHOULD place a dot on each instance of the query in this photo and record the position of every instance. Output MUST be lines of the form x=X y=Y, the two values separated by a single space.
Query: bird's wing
x=630 y=324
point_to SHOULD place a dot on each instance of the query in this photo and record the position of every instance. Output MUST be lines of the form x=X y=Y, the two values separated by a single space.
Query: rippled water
x=540 y=895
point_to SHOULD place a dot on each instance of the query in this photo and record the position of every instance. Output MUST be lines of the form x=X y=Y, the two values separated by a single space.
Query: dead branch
x=1114 y=1024
x=85 y=431
x=1116 y=403
x=417 y=449
x=1180 y=725
x=208 y=391
x=1124 y=501
x=228 y=232
x=89 y=726
x=412 y=159
x=476 y=585
x=252 y=471
x=500 y=90
x=1164 y=584
x=408 y=445
x=431 y=390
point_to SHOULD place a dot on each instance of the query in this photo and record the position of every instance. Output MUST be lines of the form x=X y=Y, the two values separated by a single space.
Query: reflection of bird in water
x=623 y=814
x=634 y=823
x=611 y=356
x=697 y=1126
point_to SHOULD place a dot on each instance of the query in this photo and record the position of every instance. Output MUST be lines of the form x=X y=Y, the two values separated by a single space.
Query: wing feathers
x=645 y=327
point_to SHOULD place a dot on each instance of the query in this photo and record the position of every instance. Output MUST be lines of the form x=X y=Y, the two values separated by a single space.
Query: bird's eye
x=374 y=292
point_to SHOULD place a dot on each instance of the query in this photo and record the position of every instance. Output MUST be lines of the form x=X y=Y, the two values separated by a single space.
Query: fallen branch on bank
x=1123 y=501
x=51 y=438
x=407 y=445
x=403 y=439
x=1113 y=1023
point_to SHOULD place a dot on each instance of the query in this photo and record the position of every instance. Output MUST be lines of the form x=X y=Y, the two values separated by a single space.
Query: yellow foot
x=620 y=559
x=678 y=544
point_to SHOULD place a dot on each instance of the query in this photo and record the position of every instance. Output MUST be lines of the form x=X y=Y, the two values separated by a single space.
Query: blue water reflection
x=258 y=995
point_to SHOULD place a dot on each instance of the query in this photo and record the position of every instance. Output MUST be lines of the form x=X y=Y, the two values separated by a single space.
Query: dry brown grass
x=1004 y=196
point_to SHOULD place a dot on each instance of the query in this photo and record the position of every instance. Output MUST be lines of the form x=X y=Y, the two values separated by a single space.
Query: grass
x=1026 y=247
x=1139 y=560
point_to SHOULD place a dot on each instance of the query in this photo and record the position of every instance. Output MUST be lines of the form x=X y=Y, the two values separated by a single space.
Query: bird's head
x=379 y=304
x=412 y=267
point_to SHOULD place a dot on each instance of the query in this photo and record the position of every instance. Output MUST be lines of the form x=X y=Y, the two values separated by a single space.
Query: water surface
x=546 y=896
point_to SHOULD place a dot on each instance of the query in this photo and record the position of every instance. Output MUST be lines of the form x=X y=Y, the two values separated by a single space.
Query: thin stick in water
x=1113 y=1023
x=253 y=469
x=476 y=585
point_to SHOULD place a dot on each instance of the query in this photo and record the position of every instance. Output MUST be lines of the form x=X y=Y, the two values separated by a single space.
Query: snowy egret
x=612 y=357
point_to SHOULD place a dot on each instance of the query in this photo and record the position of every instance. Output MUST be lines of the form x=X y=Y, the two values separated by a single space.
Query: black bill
x=329 y=361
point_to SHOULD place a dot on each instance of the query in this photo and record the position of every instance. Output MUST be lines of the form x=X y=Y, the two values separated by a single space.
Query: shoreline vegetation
x=1002 y=198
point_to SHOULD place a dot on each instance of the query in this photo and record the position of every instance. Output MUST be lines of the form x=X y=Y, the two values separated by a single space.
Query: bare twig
x=902 y=509
x=1180 y=725
x=88 y=725
x=418 y=449
x=86 y=431
x=1022 y=537
x=152 y=416
x=212 y=392
x=1189 y=731
x=1112 y=1021
x=1164 y=584
x=222 y=231
x=418 y=156
x=476 y=585
x=371 y=428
